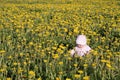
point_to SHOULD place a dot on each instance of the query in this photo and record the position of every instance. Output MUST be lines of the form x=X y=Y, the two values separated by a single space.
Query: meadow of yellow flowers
x=36 y=37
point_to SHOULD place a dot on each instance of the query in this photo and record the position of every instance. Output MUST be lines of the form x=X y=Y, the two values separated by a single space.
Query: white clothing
x=80 y=51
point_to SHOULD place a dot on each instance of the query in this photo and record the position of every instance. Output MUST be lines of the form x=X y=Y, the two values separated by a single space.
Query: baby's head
x=81 y=41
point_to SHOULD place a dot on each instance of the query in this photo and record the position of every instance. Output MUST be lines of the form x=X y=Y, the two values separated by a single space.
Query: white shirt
x=80 y=51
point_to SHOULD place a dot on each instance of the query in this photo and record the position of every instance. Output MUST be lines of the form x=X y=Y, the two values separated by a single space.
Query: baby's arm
x=88 y=49
x=88 y=52
x=72 y=52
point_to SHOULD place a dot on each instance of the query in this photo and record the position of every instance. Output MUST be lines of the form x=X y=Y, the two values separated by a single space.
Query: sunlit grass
x=36 y=37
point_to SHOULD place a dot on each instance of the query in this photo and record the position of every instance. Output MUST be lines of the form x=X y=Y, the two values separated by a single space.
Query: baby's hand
x=72 y=52
x=87 y=52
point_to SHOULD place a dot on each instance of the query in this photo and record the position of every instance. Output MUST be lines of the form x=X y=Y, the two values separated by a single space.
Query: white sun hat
x=81 y=39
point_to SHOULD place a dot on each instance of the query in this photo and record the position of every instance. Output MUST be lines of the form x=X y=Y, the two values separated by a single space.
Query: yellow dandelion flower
x=55 y=56
x=108 y=65
x=108 y=56
x=31 y=43
x=17 y=30
x=107 y=61
x=31 y=74
x=27 y=58
x=14 y=63
x=62 y=47
x=60 y=72
x=69 y=58
x=77 y=75
x=70 y=33
x=60 y=62
x=93 y=64
x=75 y=65
x=24 y=63
x=76 y=30
x=54 y=48
x=20 y=70
x=103 y=60
x=65 y=29
x=81 y=57
x=80 y=71
x=86 y=78
x=8 y=78
x=39 y=79
x=57 y=78
x=85 y=65
x=50 y=64
x=2 y=51
x=9 y=57
x=21 y=54
x=60 y=50
x=2 y=70
x=68 y=79
x=95 y=53
x=45 y=61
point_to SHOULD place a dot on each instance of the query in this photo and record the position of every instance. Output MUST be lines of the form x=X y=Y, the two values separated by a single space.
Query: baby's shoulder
x=76 y=48
x=87 y=47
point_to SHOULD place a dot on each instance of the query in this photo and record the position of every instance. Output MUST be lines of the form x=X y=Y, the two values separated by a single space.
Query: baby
x=81 y=48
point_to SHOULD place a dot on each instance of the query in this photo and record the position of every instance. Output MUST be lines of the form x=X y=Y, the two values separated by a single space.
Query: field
x=36 y=37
